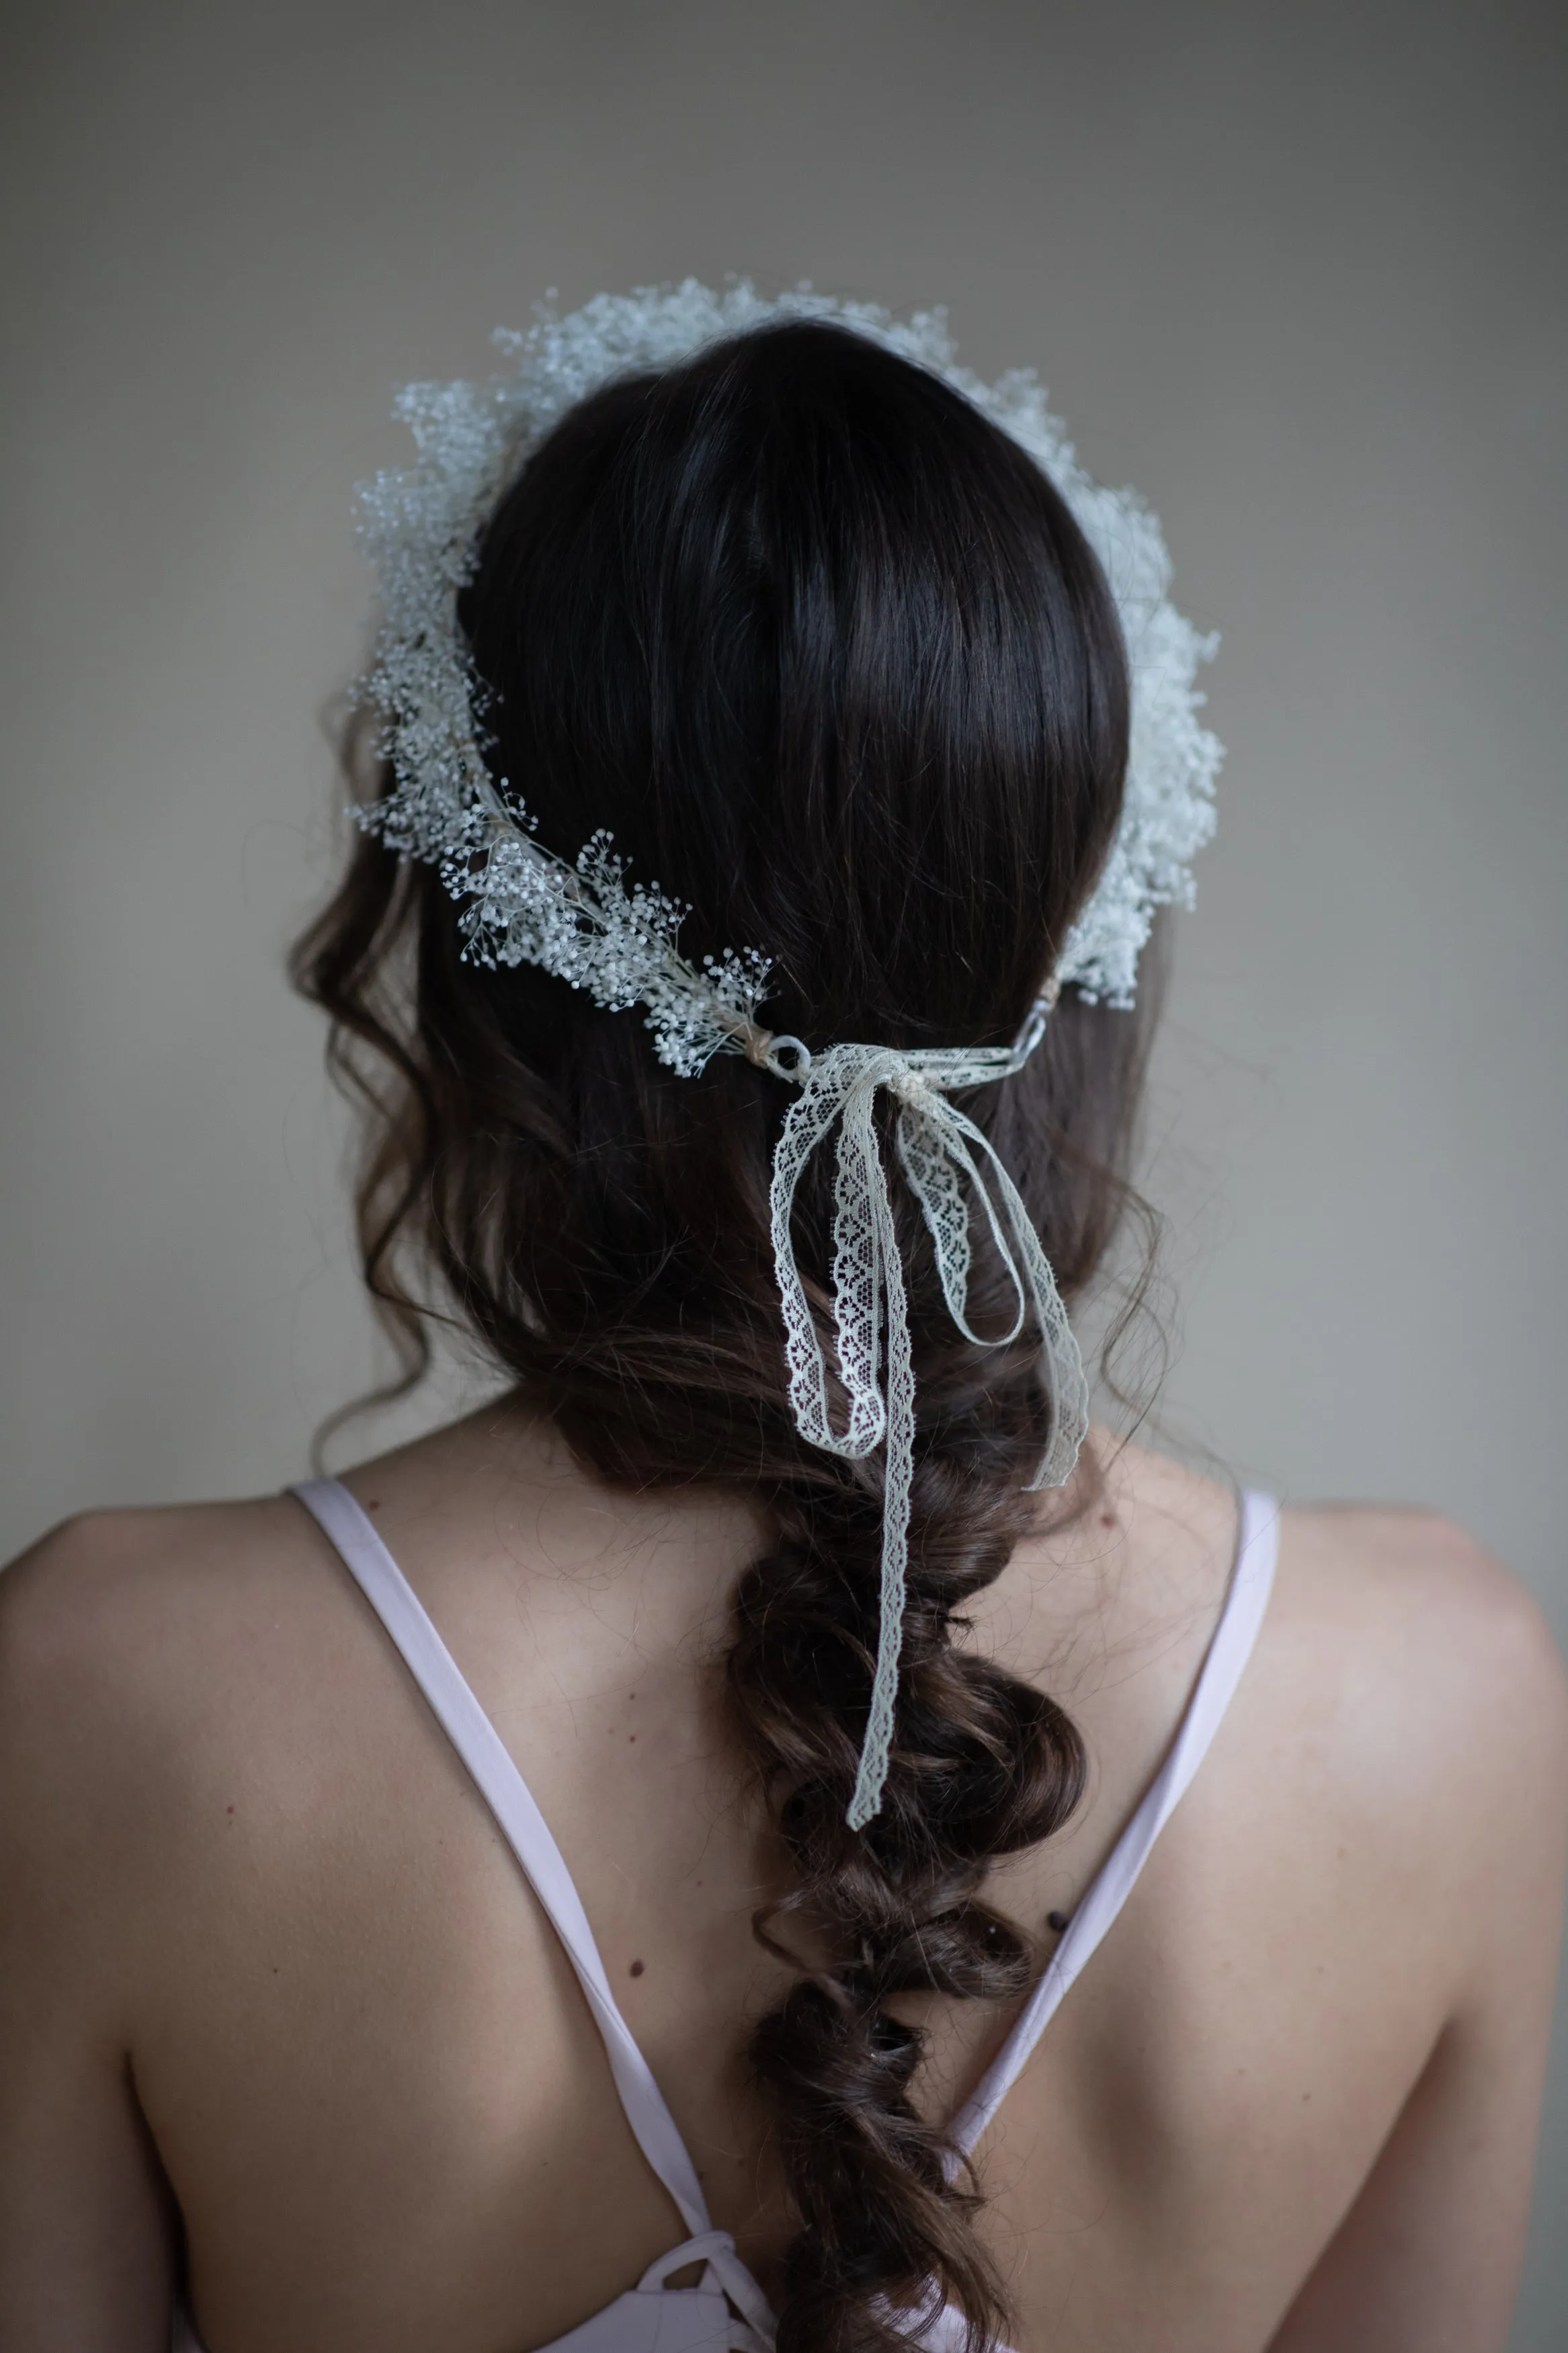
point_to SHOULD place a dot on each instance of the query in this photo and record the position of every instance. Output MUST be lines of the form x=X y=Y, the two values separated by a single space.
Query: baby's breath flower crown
x=580 y=921
x=583 y=920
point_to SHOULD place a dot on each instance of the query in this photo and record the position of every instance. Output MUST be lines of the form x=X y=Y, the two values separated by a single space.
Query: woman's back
x=377 y=2089
x=832 y=1711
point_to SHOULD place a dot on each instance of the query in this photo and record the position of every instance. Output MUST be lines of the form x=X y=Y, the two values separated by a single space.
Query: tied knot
x=948 y=1164
x=910 y=1086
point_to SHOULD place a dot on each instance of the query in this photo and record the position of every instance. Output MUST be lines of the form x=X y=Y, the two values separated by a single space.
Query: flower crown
x=580 y=921
x=583 y=920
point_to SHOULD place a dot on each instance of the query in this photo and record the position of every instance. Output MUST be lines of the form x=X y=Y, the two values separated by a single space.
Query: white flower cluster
x=583 y=924
x=580 y=920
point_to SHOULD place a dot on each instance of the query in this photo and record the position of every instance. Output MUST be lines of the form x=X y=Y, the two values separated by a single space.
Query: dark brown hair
x=826 y=653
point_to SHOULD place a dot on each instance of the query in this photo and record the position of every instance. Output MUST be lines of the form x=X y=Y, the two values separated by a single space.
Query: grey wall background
x=1295 y=270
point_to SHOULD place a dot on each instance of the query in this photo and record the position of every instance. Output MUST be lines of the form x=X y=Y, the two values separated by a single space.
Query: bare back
x=272 y=1980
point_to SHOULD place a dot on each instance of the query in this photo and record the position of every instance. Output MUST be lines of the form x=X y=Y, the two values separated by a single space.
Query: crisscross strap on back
x=526 y=1832
x=1252 y=1580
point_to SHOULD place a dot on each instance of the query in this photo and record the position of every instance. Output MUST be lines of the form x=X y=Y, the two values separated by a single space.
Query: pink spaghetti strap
x=1251 y=1582
x=479 y=1745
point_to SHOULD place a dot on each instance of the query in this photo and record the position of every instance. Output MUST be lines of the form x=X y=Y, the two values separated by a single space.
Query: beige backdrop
x=1293 y=270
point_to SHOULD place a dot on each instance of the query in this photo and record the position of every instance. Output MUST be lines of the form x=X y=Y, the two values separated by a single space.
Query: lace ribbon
x=939 y=1151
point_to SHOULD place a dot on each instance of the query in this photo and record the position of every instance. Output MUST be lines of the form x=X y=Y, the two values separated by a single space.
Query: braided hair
x=827 y=654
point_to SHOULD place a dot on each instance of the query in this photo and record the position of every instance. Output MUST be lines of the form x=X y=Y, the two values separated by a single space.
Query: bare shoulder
x=131 y=1643
x=1394 y=1614
x=109 y=1594
x=1430 y=1632
x=1406 y=1686
x=1407 y=1696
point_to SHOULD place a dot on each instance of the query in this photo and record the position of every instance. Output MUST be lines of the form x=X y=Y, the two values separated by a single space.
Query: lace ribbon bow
x=939 y=1149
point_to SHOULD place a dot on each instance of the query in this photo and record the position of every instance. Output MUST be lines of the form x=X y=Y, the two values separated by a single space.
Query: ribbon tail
x=932 y=1169
x=876 y=1748
x=1059 y=1351
x=861 y=1256
x=807 y=1122
x=1030 y=1271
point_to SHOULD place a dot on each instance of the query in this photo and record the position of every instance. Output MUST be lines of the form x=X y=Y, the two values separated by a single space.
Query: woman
x=833 y=1691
